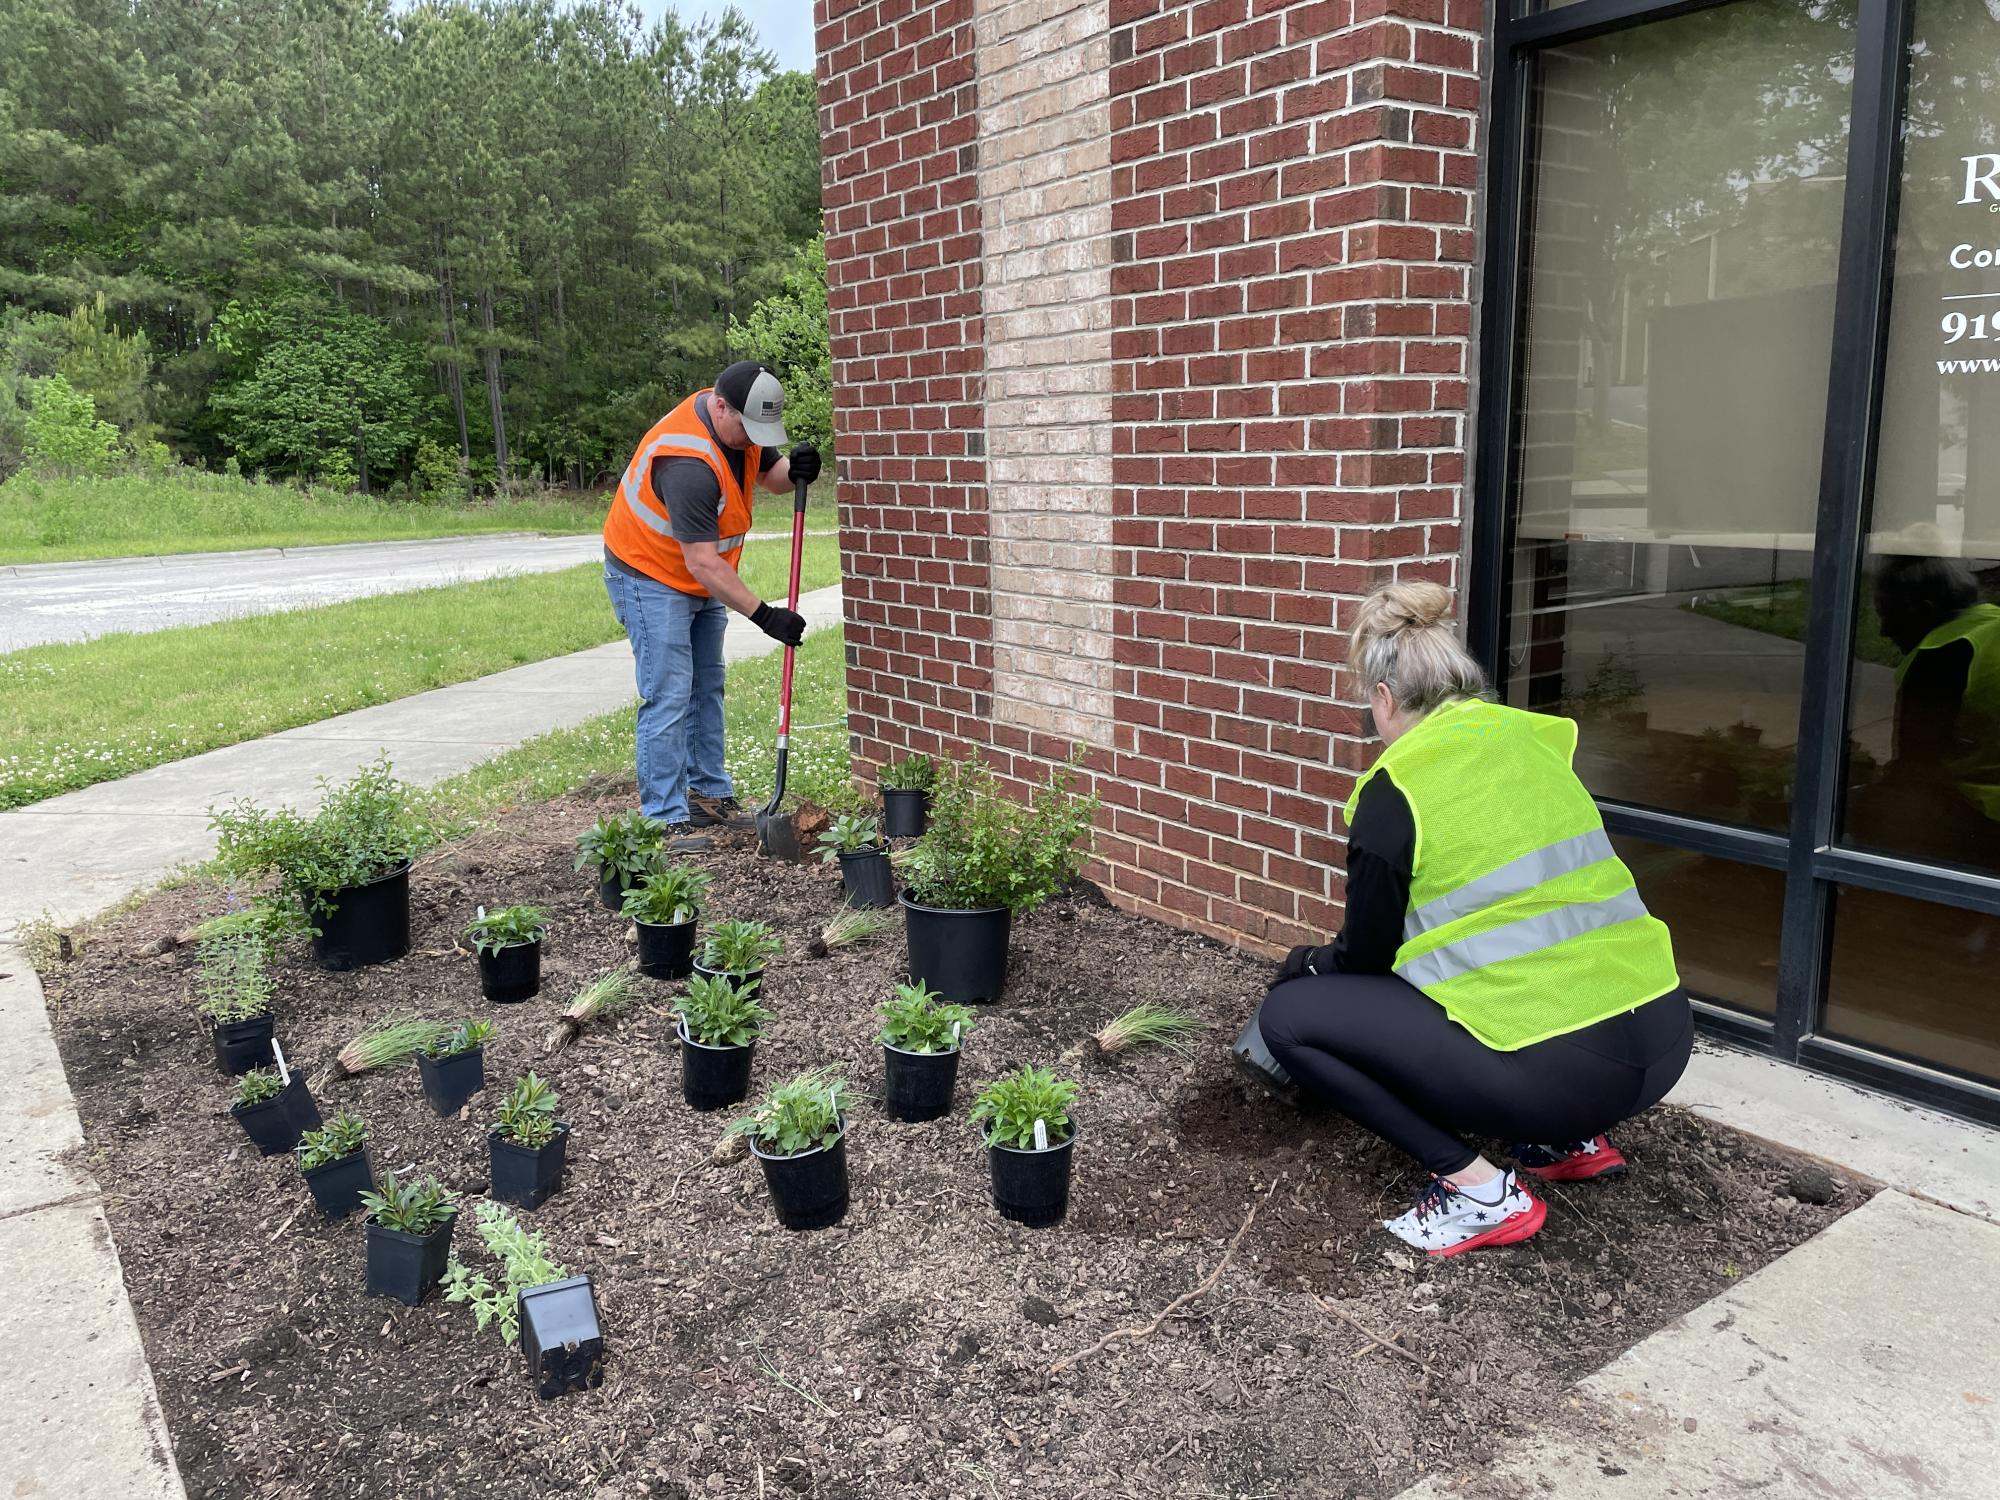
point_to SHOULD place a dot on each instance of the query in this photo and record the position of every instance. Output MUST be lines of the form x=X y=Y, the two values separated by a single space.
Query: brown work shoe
x=680 y=838
x=717 y=812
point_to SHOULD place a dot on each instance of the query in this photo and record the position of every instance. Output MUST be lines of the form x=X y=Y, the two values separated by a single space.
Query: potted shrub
x=273 y=1110
x=983 y=862
x=453 y=1067
x=664 y=911
x=719 y=1022
x=906 y=795
x=409 y=1236
x=738 y=950
x=799 y=1135
x=549 y=1313
x=334 y=1163
x=508 y=940
x=234 y=986
x=1030 y=1138
x=856 y=841
x=921 y=1041
x=528 y=1145
x=348 y=864
x=619 y=848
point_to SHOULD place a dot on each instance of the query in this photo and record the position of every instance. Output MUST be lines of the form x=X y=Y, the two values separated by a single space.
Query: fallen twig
x=1387 y=1341
x=287 y=1224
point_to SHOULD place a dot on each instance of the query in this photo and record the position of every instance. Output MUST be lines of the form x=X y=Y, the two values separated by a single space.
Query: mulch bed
x=906 y=1352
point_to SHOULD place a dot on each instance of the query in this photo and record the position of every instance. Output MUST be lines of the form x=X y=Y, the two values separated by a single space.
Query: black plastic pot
x=666 y=949
x=512 y=974
x=450 y=1081
x=369 y=924
x=905 y=812
x=277 y=1123
x=1032 y=1187
x=920 y=1084
x=714 y=1077
x=242 y=1045
x=754 y=976
x=406 y=1266
x=338 y=1185
x=561 y=1337
x=809 y=1190
x=612 y=886
x=960 y=954
x=869 y=877
x=527 y=1175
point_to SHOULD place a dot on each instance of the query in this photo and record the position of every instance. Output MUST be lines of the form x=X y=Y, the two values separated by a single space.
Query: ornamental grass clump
x=1148 y=1024
x=916 y=1021
x=860 y=925
x=604 y=999
x=718 y=1011
x=364 y=828
x=386 y=1045
x=983 y=850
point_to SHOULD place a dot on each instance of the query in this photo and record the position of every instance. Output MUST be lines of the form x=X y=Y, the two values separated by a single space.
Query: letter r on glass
x=1982 y=174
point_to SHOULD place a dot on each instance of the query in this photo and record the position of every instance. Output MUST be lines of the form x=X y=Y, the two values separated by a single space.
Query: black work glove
x=1301 y=960
x=786 y=626
x=805 y=463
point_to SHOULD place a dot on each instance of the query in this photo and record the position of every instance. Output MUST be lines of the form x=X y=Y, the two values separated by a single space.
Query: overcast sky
x=785 y=25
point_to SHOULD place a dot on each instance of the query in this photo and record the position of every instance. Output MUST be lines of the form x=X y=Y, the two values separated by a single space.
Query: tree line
x=454 y=243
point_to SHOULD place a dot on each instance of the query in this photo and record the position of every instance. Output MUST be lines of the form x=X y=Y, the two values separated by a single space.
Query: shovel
x=777 y=833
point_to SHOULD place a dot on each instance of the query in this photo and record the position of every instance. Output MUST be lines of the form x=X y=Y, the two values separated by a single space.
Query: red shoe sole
x=1608 y=1163
x=1509 y=1231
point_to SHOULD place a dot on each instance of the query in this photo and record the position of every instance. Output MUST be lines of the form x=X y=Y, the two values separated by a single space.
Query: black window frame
x=1810 y=853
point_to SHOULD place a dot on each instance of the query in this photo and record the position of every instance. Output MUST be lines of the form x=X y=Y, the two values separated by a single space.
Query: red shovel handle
x=792 y=603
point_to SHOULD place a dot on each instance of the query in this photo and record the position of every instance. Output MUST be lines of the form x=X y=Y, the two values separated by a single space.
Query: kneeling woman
x=1497 y=975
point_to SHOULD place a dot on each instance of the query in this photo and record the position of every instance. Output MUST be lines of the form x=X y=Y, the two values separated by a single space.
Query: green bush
x=364 y=828
x=983 y=850
x=788 y=332
x=62 y=432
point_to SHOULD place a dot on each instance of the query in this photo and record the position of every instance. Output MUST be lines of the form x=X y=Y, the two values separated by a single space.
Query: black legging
x=1384 y=1054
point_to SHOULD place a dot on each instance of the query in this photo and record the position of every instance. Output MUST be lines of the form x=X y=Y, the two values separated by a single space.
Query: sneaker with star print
x=1450 y=1221
x=1575 y=1161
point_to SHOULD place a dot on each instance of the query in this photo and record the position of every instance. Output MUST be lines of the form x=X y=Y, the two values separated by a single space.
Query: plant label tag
x=278 y=1055
x=955 y=1039
x=1041 y=1135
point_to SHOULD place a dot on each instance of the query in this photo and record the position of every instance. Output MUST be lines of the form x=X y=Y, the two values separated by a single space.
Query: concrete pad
x=71 y=863
x=38 y=1124
x=1861 y=1366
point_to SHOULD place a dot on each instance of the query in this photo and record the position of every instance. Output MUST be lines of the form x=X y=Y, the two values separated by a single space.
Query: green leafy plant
x=463 y=1037
x=983 y=850
x=1150 y=1024
x=524 y=1262
x=620 y=845
x=913 y=773
x=1011 y=1103
x=916 y=1021
x=364 y=828
x=739 y=947
x=849 y=834
x=799 y=1115
x=415 y=1207
x=385 y=1045
x=258 y=1086
x=719 y=1012
x=603 y=999
x=233 y=979
x=274 y=920
x=506 y=927
x=856 y=925
x=528 y=1113
x=672 y=894
x=343 y=1135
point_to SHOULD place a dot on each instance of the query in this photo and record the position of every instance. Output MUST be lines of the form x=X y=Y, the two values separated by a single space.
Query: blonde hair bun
x=1401 y=639
x=1396 y=607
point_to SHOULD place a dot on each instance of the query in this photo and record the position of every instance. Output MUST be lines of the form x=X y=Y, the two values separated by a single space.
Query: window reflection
x=1916 y=979
x=1724 y=918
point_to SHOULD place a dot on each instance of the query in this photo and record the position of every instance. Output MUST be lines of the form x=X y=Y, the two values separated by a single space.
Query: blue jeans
x=677 y=656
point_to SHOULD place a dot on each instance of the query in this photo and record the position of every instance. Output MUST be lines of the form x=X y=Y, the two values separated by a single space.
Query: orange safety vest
x=637 y=530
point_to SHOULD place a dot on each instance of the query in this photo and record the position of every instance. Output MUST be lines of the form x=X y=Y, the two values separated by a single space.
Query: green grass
x=73 y=715
x=68 y=520
x=1781 y=611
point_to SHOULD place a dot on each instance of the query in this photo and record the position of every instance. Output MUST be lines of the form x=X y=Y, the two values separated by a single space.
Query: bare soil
x=905 y=1353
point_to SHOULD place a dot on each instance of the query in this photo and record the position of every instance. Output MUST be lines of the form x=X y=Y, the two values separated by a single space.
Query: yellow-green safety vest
x=1523 y=922
x=1976 y=769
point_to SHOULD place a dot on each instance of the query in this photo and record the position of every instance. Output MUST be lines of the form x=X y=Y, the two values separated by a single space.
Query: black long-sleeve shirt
x=1381 y=852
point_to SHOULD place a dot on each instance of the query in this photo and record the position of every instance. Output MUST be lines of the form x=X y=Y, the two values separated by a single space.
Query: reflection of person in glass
x=1945 y=754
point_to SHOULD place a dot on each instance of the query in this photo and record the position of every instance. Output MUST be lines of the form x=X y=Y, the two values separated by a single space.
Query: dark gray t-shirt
x=688 y=489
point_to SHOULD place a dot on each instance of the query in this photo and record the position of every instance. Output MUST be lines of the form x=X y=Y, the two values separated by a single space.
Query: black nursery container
x=527 y=1175
x=919 y=1084
x=960 y=954
x=1032 y=1187
x=666 y=949
x=561 y=1337
x=612 y=886
x=512 y=974
x=338 y=1185
x=242 y=1045
x=905 y=812
x=450 y=1081
x=753 y=976
x=809 y=1190
x=869 y=877
x=714 y=1077
x=404 y=1265
x=369 y=924
x=276 y=1124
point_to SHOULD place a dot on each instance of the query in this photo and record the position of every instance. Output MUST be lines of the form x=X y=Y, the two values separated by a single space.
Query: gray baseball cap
x=754 y=391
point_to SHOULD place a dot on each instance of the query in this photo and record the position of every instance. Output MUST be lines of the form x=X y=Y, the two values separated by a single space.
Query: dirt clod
x=1039 y=1310
x=1810 y=1184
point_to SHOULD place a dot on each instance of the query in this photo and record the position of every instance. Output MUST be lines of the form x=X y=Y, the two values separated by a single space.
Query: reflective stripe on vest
x=1519 y=939
x=1564 y=857
x=637 y=529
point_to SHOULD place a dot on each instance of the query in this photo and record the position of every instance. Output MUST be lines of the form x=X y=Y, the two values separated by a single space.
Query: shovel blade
x=778 y=837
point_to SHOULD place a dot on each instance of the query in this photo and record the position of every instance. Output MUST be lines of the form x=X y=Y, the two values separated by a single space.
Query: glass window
x=1923 y=770
x=1916 y=979
x=1724 y=917
x=1684 y=206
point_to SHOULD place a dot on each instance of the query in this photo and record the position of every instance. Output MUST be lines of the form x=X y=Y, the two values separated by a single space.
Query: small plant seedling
x=603 y=999
x=1148 y=1024
x=739 y=947
x=671 y=895
x=343 y=1135
x=414 y=1207
x=915 y=1021
x=799 y=1115
x=384 y=1046
x=849 y=834
x=620 y=845
x=461 y=1038
x=719 y=1012
x=524 y=1262
x=528 y=1113
x=1011 y=1103
x=913 y=773
x=364 y=828
x=258 y=1086
x=506 y=927
x=857 y=925
x=234 y=980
